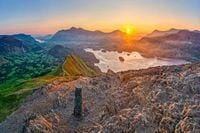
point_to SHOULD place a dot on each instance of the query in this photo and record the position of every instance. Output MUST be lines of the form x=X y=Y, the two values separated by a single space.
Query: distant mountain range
x=174 y=43
x=82 y=36
x=157 y=33
x=17 y=44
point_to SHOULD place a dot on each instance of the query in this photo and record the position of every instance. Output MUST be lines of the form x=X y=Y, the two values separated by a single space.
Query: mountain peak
x=173 y=29
x=75 y=28
x=21 y=34
x=116 y=31
x=158 y=33
x=78 y=29
x=74 y=34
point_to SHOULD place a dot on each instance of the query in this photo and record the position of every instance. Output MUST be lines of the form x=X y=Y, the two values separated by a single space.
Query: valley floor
x=160 y=99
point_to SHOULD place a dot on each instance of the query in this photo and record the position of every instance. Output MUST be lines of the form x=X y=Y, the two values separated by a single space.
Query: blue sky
x=48 y=16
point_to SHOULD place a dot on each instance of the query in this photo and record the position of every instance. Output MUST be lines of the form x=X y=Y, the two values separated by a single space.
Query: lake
x=128 y=61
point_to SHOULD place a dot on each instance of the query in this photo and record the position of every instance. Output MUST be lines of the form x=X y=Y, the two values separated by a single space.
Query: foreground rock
x=161 y=99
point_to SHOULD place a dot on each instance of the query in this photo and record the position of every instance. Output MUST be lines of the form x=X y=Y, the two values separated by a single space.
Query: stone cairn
x=78 y=103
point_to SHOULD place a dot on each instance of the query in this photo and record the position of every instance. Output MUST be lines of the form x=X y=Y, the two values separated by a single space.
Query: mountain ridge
x=80 y=34
x=152 y=100
x=75 y=66
x=183 y=44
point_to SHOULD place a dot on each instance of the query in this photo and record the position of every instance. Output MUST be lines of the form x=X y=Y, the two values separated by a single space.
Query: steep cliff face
x=161 y=99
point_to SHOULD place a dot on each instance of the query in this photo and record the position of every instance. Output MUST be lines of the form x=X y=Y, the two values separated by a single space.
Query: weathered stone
x=151 y=100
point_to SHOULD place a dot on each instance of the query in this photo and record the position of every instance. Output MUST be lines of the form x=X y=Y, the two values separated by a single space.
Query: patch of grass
x=14 y=92
x=10 y=103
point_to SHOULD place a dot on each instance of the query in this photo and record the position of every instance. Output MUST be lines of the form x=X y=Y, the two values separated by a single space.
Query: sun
x=128 y=30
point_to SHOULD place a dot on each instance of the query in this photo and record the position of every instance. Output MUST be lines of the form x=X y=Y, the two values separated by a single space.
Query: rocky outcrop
x=161 y=99
x=121 y=59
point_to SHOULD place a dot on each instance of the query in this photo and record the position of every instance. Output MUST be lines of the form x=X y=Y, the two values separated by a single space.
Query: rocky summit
x=155 y=100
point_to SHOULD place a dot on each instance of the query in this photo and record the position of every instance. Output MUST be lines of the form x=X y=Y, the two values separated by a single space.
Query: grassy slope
x=13 y=92
x=74 y=66
x=21 y=75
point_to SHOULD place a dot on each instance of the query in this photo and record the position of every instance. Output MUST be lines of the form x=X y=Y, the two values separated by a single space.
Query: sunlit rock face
x=131 y=61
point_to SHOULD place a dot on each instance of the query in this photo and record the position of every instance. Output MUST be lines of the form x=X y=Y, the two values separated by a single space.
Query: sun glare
x=128 y=31
x=128 y=38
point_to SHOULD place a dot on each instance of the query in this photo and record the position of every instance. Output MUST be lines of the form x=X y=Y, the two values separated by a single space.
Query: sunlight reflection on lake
x=128 y=61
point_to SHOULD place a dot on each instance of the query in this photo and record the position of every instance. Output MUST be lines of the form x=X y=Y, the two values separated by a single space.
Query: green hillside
x=21 y=75
x=75 y=66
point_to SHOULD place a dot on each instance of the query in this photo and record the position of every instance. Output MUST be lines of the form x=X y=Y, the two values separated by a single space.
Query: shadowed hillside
x=18 y=44
x=59 y=51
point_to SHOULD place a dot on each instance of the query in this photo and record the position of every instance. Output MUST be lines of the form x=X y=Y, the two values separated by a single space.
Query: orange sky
x=143 y=16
